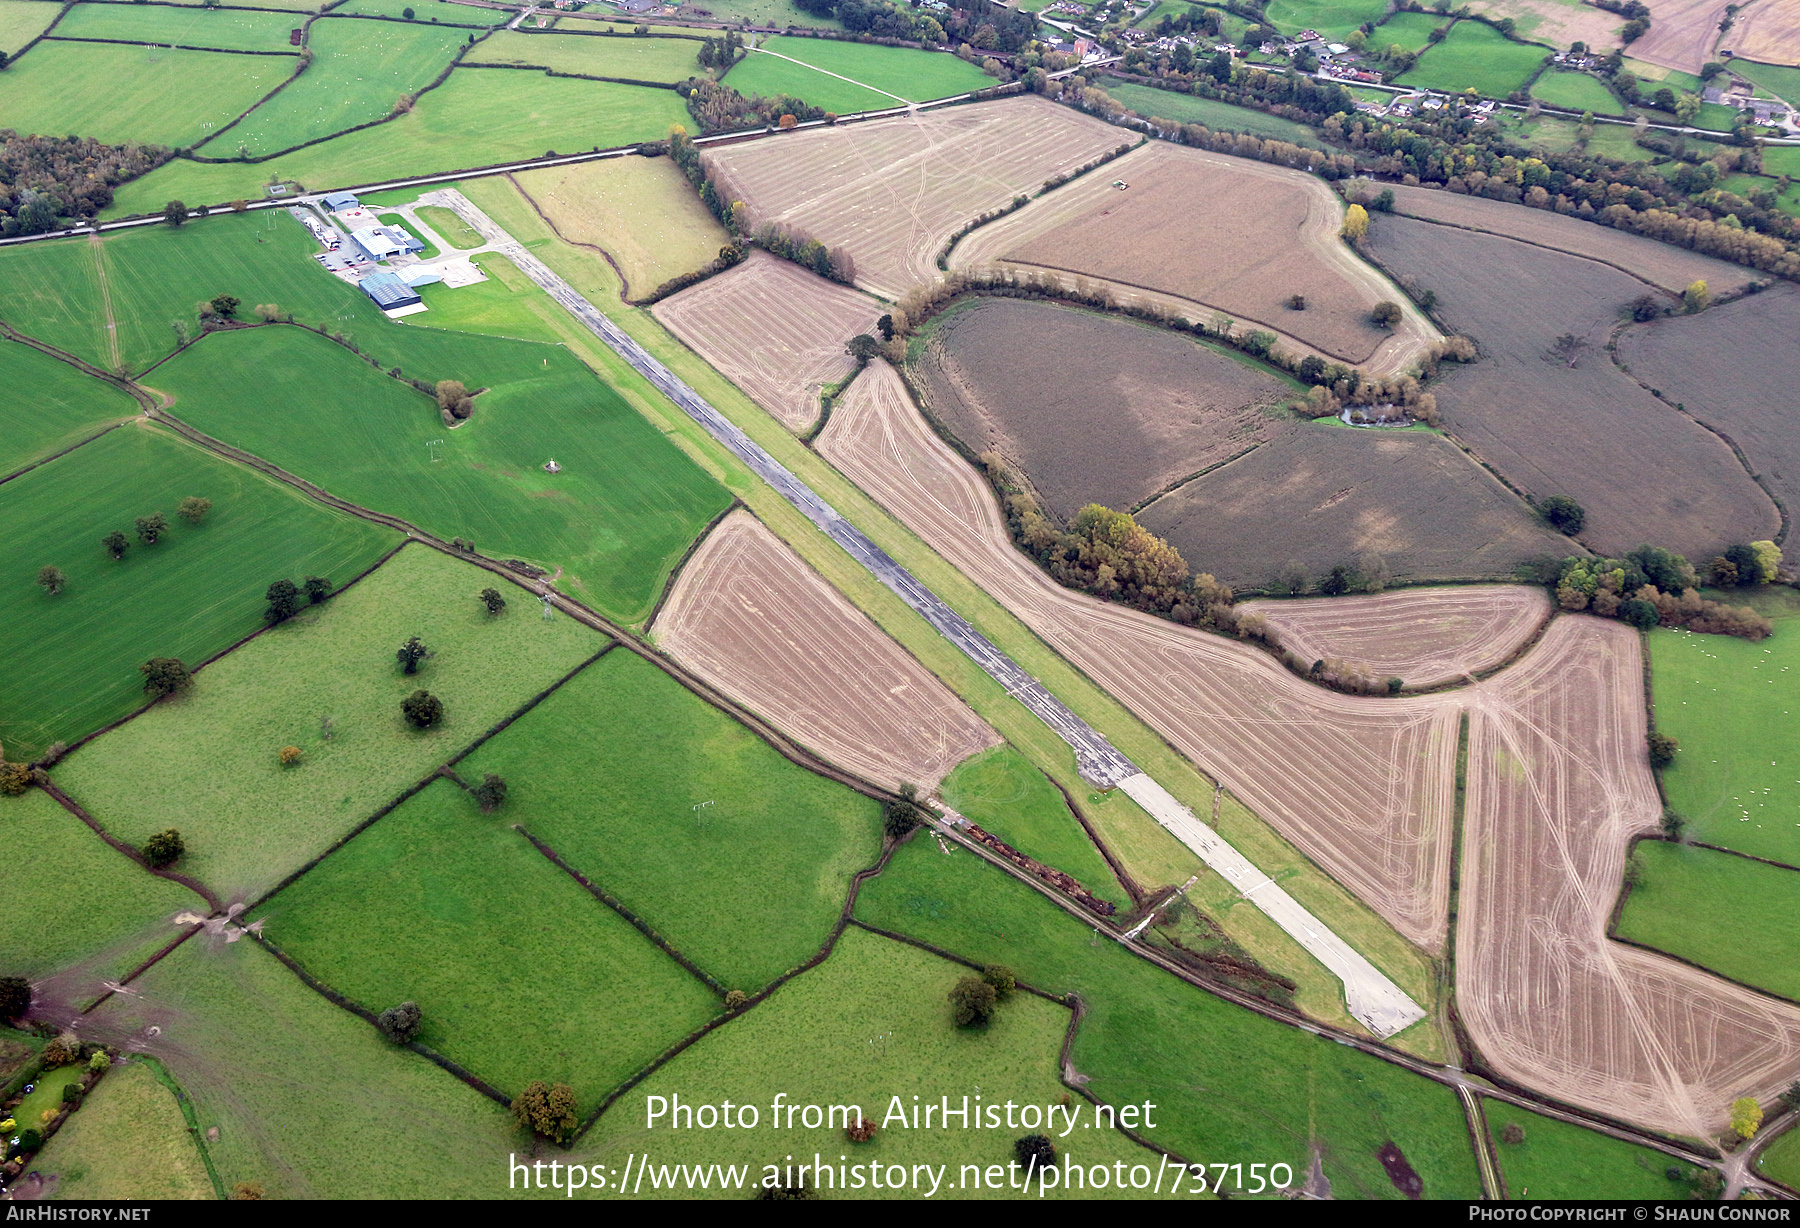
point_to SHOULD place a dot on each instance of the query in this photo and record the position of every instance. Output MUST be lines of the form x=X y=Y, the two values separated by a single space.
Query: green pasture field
x=23 y=20
x=811 y=1040
x=1479 y=56
x=67 y=898
x=206 y=763
x=1001 y=792
x=737 y=857
x=479 y=117
x=1689 y=904
x=128 y=1141
x=1254 y=1087
x=1782 y=160
x=1788 y=202
x=1561 y=1161
x=73 y=659
x=623 y=509
x=520 y=972
x=917 y=76
x=359 y=70
x=451 y=228
x=154 y=276
x=770 y=77
x=64 y=406
x=1730 y=703
x=1335 y=19
x=501 y=306
x=1576 y=91
x=227 y=29
x=1782 y=1160
x=426 y=12
x=1558 y=135
x=1776 y=79
x=1220 y=116
x=1412 y=31
x=308 y=1099
x=1716 y=117
x=592 y=55
x=152 y=94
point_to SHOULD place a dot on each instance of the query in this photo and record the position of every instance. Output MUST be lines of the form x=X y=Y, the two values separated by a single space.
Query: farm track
x=1264 y=267
x=1558 y=785
x=892 y=191
x=773 y=329
x=749 y=616
x=1424 y=636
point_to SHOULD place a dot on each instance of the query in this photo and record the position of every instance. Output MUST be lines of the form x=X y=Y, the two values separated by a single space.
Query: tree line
x=1652 y=586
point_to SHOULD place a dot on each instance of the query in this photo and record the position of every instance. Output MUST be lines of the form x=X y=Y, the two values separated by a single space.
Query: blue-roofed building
x=388 y=291
x=340 y=200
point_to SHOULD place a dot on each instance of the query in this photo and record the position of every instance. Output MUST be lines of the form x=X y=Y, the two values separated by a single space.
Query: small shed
x=388 y=291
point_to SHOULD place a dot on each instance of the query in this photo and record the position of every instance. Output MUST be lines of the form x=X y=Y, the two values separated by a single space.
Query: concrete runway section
x=1374 y=1000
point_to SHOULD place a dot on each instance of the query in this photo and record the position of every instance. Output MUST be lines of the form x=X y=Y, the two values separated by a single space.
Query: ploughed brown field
x=1767 y=31
x=1644 y=472
x=773 y=329
x=1558 y=782
x=748 y=616
x=1351 y=781
x=1322 y=495
x=1681 y=33
x=1672 y=268
x=1094 y=408
x=1727 y=368
x=1214 y=233
x=893 y=191
x=1557 y=785
x=1422 y=636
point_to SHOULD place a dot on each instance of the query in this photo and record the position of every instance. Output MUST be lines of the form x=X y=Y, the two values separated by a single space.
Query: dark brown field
x=1644 y=472
x=1729 y=368
x=1323 y=495
x=1095 y=409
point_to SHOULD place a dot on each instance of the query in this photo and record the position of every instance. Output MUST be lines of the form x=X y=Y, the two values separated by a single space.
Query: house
x=386 y=242
x=1309 y=36
x=389 y=292
x=337 y=202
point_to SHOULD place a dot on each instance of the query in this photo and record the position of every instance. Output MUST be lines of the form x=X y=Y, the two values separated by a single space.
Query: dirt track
x=773 y=329
x=1423 y=636
x=752 y=619
x=1265 y=233
x=1298 y=755
x=893 y=191
x=1557 y=784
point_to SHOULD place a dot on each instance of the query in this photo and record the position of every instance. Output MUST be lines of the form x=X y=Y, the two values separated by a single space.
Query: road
x=1372 y=998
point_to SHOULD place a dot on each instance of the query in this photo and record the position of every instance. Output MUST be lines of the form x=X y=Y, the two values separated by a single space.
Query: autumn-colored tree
x=547 y=1110
x=1746 y=1116
x=1696 y=297
x=1356 y=223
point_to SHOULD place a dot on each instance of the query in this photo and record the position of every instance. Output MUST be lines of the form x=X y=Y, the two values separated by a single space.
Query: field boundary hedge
x=358 y=1009
x=1129 y=884
x=736 y=504
x=576 y=76
x=1019 y=202
x=42 y=34
x=162 y=1074
x=75 y=808
x=42 y=461
x=138 y=42
x=613 y=902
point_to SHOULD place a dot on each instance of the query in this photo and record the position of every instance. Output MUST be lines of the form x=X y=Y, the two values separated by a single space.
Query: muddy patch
x=1399 y=1171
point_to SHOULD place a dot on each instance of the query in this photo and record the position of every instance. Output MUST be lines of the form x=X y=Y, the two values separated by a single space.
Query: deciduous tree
x=1563 y=514
x=1662 y=749
x=193 y=509
x=15 y=997
x=972 y=1002
x=164 y=848
x=1746 y=1116
x=422 y=709
x=284 y=601
x=400 y=1023
x=51 y=579
x=175 y=213
x=151 y=527
x=410 y=654
x=547 y=1110
x=164 y=676
x=491 y=598
x=1356 y=223
x=490 y=794
x=317 y=588
x=1035 y=1152
x=115 y=543
x=1385 y=314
